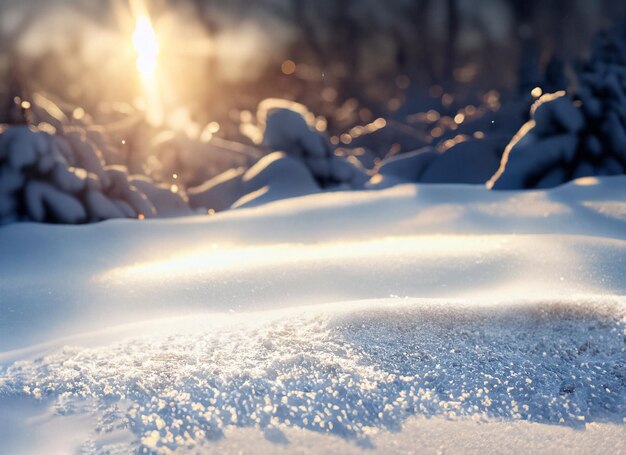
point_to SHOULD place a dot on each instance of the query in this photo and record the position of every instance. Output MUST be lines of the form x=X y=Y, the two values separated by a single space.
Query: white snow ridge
x=414 y=319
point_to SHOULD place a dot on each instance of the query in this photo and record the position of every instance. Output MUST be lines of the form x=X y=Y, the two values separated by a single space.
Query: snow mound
x=275 y=176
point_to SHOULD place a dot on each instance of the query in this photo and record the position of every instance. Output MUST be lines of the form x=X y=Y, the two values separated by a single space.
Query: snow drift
x=320 y=322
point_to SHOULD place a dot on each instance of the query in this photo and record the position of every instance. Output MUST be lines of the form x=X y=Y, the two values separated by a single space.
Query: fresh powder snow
x=447 y=318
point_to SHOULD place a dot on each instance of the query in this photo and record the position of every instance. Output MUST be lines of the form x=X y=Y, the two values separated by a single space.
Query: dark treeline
x=384 y=54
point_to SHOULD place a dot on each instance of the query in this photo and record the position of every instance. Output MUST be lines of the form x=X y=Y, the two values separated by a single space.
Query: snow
x=573 y=134
x=420 y=317
x=285 y=128
x=41 y=197
x=63 y=178
x=543 y=149
x=407 y=167
x=275 y=176
x=554 y=113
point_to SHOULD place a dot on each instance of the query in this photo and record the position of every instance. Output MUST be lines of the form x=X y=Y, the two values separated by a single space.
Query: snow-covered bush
x=287 y=127
x=570 y=137
x=301 y=161
x=541 y=152
x=63 y=178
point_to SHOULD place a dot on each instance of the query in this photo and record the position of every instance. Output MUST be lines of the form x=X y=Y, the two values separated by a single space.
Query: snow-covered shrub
x=63 y=178
x=544 y=148
x=570 y=137
x=301 y=161
x=287 y=127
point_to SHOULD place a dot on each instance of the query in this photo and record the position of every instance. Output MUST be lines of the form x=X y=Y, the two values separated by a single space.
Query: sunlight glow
x=146 y=46
x=216 y=258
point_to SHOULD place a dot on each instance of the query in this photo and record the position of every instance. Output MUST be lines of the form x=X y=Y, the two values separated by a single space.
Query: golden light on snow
x=586 y=181
x=218 y=258
x=146 y=46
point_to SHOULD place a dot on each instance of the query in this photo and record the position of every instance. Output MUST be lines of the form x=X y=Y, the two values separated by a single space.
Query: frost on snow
x=345 y=371
x=349 y=372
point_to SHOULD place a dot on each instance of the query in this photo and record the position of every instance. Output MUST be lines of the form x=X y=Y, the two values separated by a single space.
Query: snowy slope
x=334 y=322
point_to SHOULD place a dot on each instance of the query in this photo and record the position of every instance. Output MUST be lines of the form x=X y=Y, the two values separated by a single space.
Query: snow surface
x=416 y=318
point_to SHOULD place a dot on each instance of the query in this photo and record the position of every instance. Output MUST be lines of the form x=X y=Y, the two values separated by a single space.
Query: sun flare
x=146 y=46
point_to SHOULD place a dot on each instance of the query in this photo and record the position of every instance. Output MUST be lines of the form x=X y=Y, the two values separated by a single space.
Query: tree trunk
x=453 y=23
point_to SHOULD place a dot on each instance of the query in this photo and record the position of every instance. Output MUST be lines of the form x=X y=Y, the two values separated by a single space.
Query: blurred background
x=160 y=107
x=350 y=61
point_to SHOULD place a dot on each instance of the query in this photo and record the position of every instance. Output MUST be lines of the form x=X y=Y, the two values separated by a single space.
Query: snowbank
x=323 y=322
